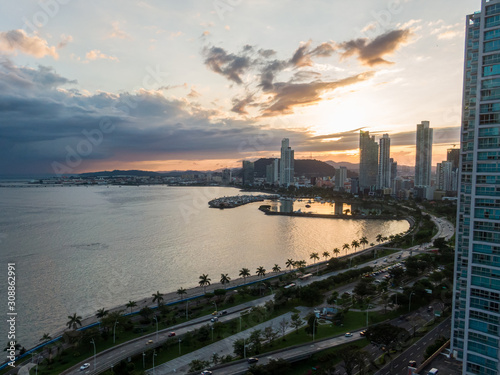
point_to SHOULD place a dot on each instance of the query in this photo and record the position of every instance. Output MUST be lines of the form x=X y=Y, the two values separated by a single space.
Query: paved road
x=399 y=366
x=114 y=355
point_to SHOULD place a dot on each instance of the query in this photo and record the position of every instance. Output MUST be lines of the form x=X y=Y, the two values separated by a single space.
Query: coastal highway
x=399 y=366
x=106 y=359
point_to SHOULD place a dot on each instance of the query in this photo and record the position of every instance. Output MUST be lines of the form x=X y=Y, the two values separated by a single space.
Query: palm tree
x=46 y=337
x=315 y=257
x=131 y=304
x=276 y=268
x=261 y=271
x=290 y=263
x=354 y=244
x=326 y=255
x=224 y=279
x=345 y=247
x=158 y=298
x=379 y=238
x=301 y=265
x=244 y=272
x=363 y=241
x=204 y=282
x=181 y=291
x=74 y=321
x=336 y=251
x=101 y=313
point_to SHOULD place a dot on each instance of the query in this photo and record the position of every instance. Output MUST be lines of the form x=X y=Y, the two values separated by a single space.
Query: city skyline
x=196 y=86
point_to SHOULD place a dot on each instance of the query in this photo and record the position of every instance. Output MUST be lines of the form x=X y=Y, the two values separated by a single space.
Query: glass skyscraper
x=476 y=300
x=368 y=160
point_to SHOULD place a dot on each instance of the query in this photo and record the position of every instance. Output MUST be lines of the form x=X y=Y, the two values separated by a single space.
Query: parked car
x=171 y=334
x=252 y=360
x=84 y=366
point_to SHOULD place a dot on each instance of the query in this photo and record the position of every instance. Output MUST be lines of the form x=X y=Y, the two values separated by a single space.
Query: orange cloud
x=18 y=40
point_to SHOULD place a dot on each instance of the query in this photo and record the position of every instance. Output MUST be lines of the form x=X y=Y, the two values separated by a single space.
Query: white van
x=433 y=371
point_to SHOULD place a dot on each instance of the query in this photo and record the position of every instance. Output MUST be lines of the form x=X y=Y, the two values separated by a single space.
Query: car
x=84 y=366
x=412 y=364
x=252 y=360
x=149 y=342
x=375 y=262
x=214 y=319
x=399 y=256
x=171 y=334
x=348 y=334
x=206 y=372
x=429 y=309
x=214 y=313
x=362 y=333
x=223 y=312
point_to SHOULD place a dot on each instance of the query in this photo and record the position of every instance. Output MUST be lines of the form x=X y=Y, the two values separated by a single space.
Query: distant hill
x=138 y=173
x=303 y=167
x=350 y=166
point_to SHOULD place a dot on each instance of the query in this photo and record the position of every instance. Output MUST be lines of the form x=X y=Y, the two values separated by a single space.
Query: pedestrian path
x=222 y=347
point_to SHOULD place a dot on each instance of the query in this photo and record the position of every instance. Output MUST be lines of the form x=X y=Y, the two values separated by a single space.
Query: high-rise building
x=368 y=160
x=272 y=172
x=423 y=157
x=384 y=163
x=394 y=173
x=248 y=172
x=453 y=155
x=286 y=164
x=340 y=178
x=475 y=338
x=226 y=176
x=444 y=176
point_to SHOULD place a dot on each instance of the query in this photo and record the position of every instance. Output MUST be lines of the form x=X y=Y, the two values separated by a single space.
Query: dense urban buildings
x=384 y=163
x=476 y=305
x=340 y=178
x=423 y=159
x=368 y=160
x=272 y=172
x=248 y=172
x=286 y=164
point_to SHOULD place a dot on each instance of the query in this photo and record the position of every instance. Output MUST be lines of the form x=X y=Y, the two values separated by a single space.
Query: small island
x=238 y=200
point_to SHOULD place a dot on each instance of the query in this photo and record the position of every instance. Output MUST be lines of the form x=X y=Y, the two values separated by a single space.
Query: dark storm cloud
x=42 y=119
x=372 y=53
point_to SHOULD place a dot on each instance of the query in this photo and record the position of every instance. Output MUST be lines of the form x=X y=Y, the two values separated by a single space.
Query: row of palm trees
x=204 y=281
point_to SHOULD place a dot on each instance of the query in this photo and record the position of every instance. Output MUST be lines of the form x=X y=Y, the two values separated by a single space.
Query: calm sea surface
x=78 y=249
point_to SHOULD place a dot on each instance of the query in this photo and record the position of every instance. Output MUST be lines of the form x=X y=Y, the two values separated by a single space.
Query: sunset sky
x=169 y=85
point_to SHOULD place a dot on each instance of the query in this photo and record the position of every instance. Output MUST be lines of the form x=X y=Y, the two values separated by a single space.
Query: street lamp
x=156 y=328
x=187 y=304
x=409 y=303
x=143 y=360
x=154 y=355
x=180 y=346
x=240 y=323
x=36 y=368
x=93 y=342
x=215 y=306
x=212 y=333
x=244 y=347
x=112 y=369
x=114 y=331
x=314 y=326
